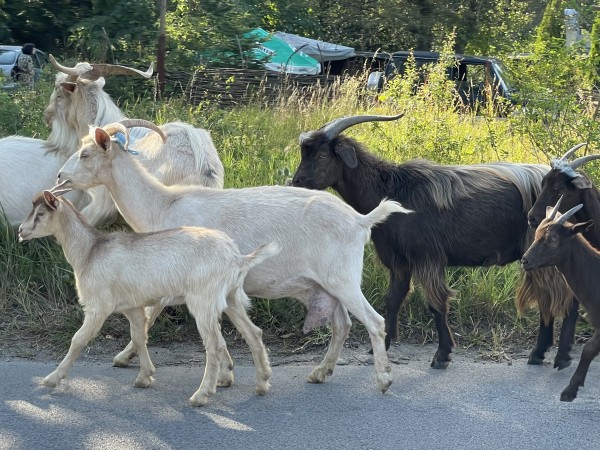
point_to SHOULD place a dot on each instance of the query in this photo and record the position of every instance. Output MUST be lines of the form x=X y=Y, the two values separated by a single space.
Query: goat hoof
x=567 y=396
x=143 y=382
x=262 y=389
x=562 y=363
x=385 y=381
x=51 y=381
x=535 y=360
x=226 y=382
x=122 y=361
x=198 y=400
x=318 y=375
x=435 y=364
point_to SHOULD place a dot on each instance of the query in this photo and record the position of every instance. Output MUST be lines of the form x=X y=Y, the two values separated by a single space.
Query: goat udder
x=320 y=309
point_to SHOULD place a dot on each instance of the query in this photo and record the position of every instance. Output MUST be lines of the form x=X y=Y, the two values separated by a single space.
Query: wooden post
x=160 y=56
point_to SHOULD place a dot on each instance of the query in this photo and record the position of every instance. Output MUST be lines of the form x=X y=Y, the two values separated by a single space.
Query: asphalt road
x=471 y=405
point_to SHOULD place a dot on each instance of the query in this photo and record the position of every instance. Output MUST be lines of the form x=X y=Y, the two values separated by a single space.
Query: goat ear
x=102 y=138
x=51 y=200
x=69 y=88
x=581 y=182
x=347 y=155
x=581 y=227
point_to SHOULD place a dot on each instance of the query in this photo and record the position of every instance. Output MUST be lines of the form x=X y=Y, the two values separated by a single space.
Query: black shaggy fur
x=464 y=216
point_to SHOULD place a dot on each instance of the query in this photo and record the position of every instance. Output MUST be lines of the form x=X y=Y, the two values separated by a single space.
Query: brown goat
x=560 y=243
x=563 y=180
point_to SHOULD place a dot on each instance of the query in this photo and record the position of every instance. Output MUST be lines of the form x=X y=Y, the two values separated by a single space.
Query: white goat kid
x=123 y=272
x=187 y=157
x=322 y=239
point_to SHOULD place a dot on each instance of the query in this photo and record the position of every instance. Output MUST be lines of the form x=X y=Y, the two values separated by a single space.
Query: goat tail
x=382 y=212
x=262 y=253
x=547 y=289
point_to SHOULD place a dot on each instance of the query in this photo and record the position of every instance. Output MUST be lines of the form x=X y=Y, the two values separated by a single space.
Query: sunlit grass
x=259 y=146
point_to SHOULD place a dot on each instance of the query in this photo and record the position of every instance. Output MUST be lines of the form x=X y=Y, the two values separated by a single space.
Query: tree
x=552 y=25
x=45 y=23
x=117 y=30
x=594 y=59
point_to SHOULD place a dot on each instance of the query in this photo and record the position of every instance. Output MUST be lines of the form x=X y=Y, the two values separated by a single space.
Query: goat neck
x=580 y=281
x=364 y=186
x=76 y=237
x=140 y=198
x=590 y=211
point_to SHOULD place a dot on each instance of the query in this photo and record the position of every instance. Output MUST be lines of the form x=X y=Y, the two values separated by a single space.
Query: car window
x=8 y=56
x=475 y=74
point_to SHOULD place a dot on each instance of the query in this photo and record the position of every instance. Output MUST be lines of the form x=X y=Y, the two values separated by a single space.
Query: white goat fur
x=189 y=155
x=123 y=272
x=322 y=239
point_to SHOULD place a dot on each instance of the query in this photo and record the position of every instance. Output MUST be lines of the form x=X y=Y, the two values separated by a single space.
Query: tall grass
x=259 y=146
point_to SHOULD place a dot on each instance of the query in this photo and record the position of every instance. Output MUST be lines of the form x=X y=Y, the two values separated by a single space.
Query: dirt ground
x=282 y=351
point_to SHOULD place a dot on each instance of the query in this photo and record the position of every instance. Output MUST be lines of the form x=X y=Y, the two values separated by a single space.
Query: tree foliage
x=594 y=62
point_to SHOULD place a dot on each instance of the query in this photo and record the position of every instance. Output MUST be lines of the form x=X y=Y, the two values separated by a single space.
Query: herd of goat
x=209 y=248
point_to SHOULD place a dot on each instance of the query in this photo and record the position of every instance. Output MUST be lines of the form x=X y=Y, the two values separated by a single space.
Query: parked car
x=8 y=59
x=473 y=75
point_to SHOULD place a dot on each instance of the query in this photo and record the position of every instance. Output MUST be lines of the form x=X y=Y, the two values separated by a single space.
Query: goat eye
x=322 y=156
x=83 y=156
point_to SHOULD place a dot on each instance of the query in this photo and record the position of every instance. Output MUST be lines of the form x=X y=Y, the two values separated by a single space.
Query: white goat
x=322 y=238
x=187 y=157
x=123 y=272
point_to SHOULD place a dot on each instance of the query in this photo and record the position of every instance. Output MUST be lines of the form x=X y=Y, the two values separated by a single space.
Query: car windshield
x=506 y=75
x=8 y=56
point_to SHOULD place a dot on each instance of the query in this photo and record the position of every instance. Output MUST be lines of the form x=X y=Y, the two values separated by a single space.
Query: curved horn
x=571 y=151
x=102 y=70
x=76 y=71
x=95 y=71
x=555 y=210
x=130 y=123
x=58 y=190
x=333 y=128
x=566 y=216
x=584 y=159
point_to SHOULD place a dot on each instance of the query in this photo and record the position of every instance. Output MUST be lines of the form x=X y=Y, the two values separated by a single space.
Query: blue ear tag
x=121 y=138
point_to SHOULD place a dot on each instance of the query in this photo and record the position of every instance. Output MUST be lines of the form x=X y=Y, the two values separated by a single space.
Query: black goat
x=465 y=215
x=560 y=244
x=564 y=180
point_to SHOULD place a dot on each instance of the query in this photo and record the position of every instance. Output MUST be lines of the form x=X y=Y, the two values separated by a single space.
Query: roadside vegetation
x=258 y=143
x=259 y=146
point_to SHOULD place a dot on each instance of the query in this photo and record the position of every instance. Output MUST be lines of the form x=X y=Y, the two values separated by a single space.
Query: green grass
x=259 y=146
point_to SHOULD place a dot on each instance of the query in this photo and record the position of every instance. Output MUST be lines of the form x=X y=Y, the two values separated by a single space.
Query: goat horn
x=130 y=123
x=566 y=216
x=571 y=151
x=57 y=191
x=555 y=210
x=333 y=128
x=581 y=161
x=95 y=71
x=101 y=70
x=75 y=72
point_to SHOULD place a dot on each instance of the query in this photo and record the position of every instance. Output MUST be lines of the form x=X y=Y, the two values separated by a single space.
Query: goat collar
x=564 y=167
x=120 y=139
